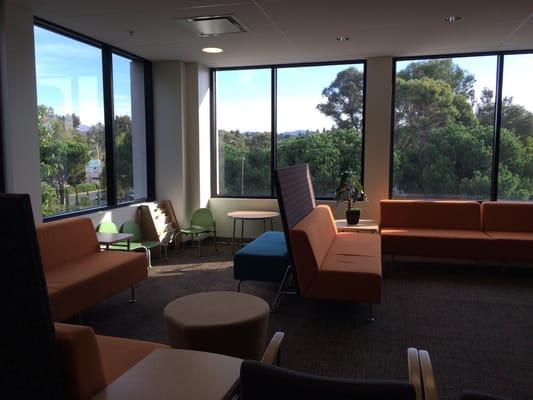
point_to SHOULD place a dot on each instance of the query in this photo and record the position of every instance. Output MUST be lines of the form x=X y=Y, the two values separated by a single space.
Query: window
x=129 y=129
x=443 y=128
x=77 y=91
x=285 y=115
x=244 y=132
x=320 y=121
x=515 y=172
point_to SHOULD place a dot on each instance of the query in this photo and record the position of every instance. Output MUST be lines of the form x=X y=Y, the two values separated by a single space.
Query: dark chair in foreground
x=261 y=381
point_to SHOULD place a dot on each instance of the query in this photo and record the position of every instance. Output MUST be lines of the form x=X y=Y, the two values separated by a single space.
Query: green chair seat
x=194 y=230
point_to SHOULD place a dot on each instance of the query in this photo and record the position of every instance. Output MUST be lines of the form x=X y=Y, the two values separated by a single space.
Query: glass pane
x=320 y=119
x=70 y=123
x=443 y=128
x=515 y=173
x=129 y=129
x=243 y=105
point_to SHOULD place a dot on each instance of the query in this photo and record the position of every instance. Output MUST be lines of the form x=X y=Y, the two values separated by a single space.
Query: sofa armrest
x=78 y=351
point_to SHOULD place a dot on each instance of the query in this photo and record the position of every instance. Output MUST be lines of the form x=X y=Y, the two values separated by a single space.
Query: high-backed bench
x=78 y=275
x=335 y=265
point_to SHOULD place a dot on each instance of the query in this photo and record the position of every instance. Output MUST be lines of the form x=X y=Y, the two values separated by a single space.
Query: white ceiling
x=288 y=31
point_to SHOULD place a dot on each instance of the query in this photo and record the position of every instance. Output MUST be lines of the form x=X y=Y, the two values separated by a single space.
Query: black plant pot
x=352 y=216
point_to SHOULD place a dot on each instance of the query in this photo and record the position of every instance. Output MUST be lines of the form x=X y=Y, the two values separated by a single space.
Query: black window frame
x=107 y=52
x=498 y=99
x=273 y=128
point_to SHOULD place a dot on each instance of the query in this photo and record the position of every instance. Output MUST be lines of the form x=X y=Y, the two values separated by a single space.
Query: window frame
x=107 y=52
x=273 y=128
x=498 y=99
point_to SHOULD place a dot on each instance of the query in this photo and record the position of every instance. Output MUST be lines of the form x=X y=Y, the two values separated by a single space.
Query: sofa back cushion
x=510 y=216
x=310 y=240
x=66 y=240
x=427 y=214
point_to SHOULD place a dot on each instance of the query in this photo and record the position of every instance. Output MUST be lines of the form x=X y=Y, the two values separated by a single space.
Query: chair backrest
x=107 y=227
x=261 y=381
x=29 y=366
x=133 y=228
x=310 y=240
x=203 y=217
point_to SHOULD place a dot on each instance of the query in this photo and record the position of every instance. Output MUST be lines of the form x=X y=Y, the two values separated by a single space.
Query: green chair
x=107 y=227
x=202 y=221
x=136 y=243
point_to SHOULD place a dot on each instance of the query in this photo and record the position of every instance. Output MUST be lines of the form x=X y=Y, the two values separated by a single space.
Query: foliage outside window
x=444 y=132
x=319 y=121
x=72 y=130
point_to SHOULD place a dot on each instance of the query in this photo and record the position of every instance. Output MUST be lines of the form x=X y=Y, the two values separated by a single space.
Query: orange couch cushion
x=423 y=214
x=511 y=246
x=96 y=277
x=311 y=239
x=452 y=243
x=66 y=240
x=119 y=354
x=507 y=216
x=351 y=269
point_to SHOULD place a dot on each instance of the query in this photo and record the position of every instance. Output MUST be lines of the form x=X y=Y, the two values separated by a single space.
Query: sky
x=69 y=78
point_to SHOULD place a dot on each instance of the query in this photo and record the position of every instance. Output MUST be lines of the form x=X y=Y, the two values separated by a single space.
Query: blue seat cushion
x=264 y=259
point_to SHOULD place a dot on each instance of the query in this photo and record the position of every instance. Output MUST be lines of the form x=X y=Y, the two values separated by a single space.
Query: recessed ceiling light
x=453 y=18
x=343 y=38
x=212 y=50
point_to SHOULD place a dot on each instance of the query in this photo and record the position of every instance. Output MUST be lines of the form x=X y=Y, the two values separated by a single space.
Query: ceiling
x=290 y=31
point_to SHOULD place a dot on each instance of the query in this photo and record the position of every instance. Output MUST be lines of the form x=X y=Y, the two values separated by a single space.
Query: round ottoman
x=230 y=323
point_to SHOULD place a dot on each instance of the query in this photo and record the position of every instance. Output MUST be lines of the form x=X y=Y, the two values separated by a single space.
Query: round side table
x=250 y=216
x=229 y=323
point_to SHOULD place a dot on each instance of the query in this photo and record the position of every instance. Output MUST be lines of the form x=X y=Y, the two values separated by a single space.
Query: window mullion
x=274 y=129
x=107 y=65
x=498 y=104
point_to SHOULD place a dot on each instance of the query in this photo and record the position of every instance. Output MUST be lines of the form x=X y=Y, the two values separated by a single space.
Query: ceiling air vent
x=214 y=25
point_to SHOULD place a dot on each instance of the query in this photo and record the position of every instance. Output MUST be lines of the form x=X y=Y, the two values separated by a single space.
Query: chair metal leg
x=239 y=286
x=199 y=245
x=281 y=290
x=132 y=295
x=215 y=231
x=370 y=317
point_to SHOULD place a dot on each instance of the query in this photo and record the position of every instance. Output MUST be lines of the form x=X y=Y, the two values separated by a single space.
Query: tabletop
x=253 y=214
x=177 y=374
x=109 y=238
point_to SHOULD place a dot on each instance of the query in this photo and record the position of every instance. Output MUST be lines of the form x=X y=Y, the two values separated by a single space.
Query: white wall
x=19 y=104
x=169 y=127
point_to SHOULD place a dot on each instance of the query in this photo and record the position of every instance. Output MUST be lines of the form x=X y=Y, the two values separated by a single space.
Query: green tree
x=345 y=99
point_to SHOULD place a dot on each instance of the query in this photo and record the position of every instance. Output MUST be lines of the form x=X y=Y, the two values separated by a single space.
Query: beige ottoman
x=230 y=323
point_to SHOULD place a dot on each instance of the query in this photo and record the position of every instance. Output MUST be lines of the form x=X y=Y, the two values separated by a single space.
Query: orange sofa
x=91 y=362
x=489 y=231
x=78 y=274
x=335 y=265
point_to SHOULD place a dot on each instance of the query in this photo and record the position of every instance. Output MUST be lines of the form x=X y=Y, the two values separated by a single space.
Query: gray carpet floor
x=477 y=323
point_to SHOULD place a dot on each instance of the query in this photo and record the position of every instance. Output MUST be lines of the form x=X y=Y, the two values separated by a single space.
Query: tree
x=345 y=99
x=460 y=81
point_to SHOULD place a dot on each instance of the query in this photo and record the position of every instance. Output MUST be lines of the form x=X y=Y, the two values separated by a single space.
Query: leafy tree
x=460 y=81
x=123 y=156
x=345 y=99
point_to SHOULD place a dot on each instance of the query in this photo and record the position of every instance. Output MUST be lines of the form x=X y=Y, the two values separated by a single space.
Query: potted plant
x=349 y=191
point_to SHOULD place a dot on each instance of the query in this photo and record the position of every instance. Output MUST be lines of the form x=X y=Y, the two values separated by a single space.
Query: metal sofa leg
x=370 y=317
x=132 y=295
x=281 y=290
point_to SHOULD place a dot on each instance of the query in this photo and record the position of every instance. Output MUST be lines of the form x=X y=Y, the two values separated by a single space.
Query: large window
x=310 y=114
x=82 y=102
x=447 y=123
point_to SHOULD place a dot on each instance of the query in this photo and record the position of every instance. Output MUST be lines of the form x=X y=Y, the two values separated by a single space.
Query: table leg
x=271 y=224
x=107 y=246
x=233 y=237
x=242 y=231
x=264 y=225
